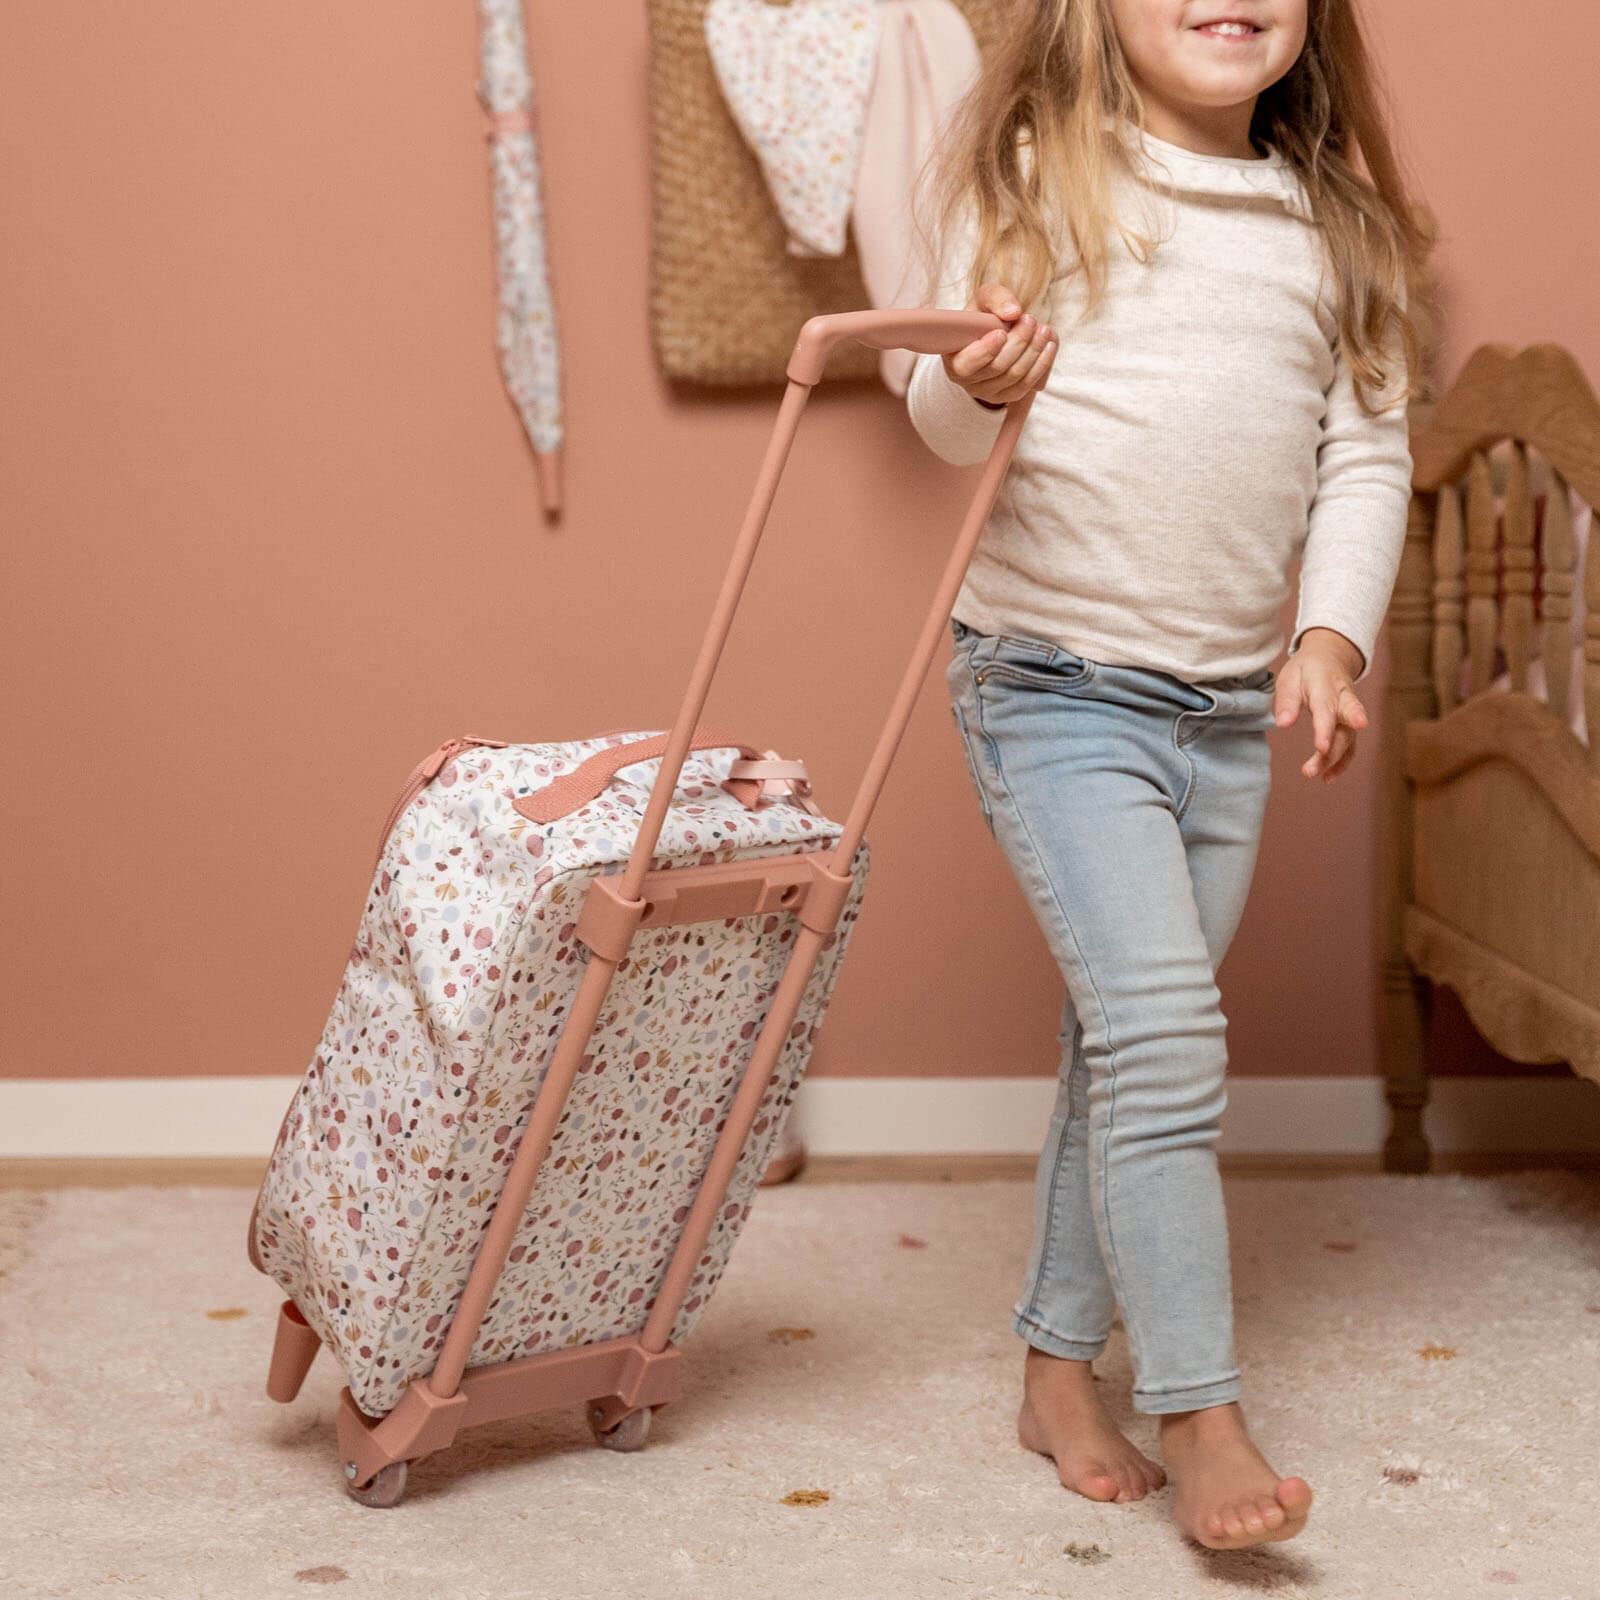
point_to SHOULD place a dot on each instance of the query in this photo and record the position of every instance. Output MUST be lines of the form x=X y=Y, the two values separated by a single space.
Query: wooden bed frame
x=1489 y=804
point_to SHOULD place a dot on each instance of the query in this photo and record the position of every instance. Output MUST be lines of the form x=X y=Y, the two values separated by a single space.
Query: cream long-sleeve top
x=1194 y=437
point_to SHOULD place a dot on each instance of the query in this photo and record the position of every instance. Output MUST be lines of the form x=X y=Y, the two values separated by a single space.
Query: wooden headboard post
x=1591 y=645
x=1408 y=694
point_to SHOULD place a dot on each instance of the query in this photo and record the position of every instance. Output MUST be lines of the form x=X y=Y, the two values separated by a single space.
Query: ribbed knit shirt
x=1195 y=436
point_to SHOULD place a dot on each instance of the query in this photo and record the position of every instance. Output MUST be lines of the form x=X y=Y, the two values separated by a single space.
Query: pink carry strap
x=565 y=794
x=770 y=778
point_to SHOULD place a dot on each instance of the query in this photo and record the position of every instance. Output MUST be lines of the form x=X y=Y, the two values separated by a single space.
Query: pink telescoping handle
x=928 y=332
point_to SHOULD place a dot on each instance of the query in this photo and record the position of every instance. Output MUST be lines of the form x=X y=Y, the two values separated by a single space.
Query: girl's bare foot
x=1062 y=1417
x=1227 y=1495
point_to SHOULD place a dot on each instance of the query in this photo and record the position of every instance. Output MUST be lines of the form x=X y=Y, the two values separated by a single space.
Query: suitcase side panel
x=633 y=1144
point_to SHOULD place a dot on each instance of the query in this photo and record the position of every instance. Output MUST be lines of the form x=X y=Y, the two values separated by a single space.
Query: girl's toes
x=1294 y=1495
x=1097 y=1486
x=1153 y=1475
x=1271 y=1513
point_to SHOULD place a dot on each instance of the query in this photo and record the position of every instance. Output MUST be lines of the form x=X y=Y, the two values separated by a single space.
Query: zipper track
x=425 y=772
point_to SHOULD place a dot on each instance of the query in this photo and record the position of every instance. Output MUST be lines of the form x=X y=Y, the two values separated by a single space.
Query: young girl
x=1169 y=191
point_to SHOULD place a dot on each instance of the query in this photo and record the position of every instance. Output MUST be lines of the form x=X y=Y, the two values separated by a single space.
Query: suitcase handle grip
x=932 y=333
x=565 y=794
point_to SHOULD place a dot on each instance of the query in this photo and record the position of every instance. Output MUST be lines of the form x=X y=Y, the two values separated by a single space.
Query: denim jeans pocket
x=1029 y=665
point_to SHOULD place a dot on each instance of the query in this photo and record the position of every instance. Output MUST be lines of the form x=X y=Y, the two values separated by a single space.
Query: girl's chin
x=1220 y=87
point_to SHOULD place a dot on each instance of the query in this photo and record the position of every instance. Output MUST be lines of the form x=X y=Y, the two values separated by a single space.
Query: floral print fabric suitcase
x=396 y=1145
x=583 y=992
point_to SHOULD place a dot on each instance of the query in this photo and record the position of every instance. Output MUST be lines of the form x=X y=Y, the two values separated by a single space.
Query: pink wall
x=271 y=530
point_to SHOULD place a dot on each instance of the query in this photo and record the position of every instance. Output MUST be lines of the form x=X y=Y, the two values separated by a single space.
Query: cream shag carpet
x=1426 y=1351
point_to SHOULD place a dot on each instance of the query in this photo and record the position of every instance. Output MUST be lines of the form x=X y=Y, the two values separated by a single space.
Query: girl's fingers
x=1344 y=747
x=1002 y=365
x=1027 y=375
x=1047 y=363
x=1343 y=761
x=1286 y=699
x=1017 y=344
x=1351 y=710
x=1324 y=717
x=1330 y=762
x=972 y=360
x=998 y=301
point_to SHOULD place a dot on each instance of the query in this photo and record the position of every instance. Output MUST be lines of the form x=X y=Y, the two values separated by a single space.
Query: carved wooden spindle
x=1516 y=620
x=1447 y=592
x=1560 y=554
x=1591 y=644
x=1483 y=572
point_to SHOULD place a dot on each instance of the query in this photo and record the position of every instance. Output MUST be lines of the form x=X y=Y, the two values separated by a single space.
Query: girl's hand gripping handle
x=1006 y=363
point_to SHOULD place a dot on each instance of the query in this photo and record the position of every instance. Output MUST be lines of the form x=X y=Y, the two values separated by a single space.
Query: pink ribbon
x=755 y=783
x=502 y=124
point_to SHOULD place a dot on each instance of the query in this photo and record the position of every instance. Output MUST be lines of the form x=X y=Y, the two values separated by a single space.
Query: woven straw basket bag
x=726 y=299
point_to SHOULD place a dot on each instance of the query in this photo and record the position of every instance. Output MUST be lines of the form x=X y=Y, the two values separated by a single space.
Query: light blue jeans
x=1129 y=805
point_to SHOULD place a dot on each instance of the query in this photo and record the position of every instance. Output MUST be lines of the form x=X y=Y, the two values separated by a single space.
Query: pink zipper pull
x=425 y=772
x=435 y=764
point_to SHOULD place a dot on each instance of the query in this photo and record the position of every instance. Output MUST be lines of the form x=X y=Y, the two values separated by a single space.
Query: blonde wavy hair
x=1028 y=159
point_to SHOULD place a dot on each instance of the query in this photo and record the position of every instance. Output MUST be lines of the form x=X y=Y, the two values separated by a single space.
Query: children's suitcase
x=582 y=995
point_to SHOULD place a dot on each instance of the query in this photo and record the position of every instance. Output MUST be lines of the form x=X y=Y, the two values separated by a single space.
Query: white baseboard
x=220 y=1117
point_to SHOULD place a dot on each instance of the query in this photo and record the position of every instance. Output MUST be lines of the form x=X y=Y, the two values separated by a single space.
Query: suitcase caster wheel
x=629 y=1434
x=387 y=1489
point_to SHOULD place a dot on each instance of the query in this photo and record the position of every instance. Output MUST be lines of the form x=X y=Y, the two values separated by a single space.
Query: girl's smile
x=1228 y=31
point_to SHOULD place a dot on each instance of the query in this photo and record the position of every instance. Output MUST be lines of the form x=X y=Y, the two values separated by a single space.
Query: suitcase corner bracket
x=825 y=898
x=607 y=922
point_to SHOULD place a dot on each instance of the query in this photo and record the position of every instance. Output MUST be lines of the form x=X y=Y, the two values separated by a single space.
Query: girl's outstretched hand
x=1006 y=364
x=1318 y=675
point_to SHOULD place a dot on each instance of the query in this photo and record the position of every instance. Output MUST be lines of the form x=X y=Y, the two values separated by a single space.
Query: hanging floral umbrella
x=529 y=351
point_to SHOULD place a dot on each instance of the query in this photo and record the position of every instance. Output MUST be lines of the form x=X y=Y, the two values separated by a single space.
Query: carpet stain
x=1500 y=1575
x=1343 y=1246
x=1437 y=1352
x=909 y=1241
x=1086 y=1554
x=227 y=1314
x=806 y=1497
x=790 y=1335
x=1401 y=1475
x=322 y=1575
